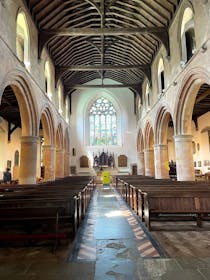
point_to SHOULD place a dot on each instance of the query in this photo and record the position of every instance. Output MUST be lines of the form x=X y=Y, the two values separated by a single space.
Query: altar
x=103 y=159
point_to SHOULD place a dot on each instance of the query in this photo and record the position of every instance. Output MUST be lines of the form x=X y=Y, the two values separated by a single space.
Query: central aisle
x=113 y=237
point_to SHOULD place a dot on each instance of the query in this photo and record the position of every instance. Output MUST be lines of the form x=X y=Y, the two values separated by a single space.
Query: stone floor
x=113 y=244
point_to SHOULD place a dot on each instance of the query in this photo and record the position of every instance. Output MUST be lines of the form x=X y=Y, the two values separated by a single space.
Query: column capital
x=60 y=151
x=161 y=146
x=183 y=138
x=48 y=147
x=148 y=150
x=29 y=139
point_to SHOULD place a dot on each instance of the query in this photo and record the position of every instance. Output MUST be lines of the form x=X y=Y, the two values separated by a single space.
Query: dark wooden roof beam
x=46 y=35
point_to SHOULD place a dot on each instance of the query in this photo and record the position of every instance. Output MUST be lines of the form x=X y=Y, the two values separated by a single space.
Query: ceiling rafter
x=93 y=33
x=45 y=35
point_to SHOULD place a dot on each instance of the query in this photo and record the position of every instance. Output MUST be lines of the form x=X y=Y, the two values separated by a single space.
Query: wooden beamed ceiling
x=98 y=39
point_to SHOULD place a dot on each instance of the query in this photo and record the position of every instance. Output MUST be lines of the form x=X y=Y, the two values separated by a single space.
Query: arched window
x=187 y=35
x=139 y=108
x=161 y=76
x=22 y=39
x=47 y=79
x=103 y=123
x=147 y=96
x=60 y=99
x=16 y=159
x=67 y=109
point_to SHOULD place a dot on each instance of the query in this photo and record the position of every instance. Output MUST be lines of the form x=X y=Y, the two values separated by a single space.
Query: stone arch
x=47 y=147
x=186 y=99
x=164 y=144
x=59 y=137
x=66 y=141
x=149 y=136
x=29 y=123
x=26 y=102
x=48 y=124
x=67 y=153
x=140 y=141
x=161 y=126
x=149 y=150
x=140 y=153
x=59 y=170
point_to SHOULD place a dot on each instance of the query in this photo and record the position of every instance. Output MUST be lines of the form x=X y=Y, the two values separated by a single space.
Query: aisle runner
x=85 y=248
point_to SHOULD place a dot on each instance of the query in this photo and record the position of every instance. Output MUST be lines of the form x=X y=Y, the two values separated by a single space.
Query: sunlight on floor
x=114 y=214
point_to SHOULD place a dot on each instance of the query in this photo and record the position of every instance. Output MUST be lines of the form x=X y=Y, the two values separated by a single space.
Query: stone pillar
x=28 y=159
x=49 y=162
x=161 y=162
x=59 y=171
x=141 y=166
x=149 y=162
x=184 y=158
x=67 y=164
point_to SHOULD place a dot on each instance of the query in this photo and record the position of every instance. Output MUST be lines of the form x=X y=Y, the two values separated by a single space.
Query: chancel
x=105 y=127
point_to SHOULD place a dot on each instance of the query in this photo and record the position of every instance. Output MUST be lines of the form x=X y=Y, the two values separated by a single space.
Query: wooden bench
x=176 y=203
x=27 y=204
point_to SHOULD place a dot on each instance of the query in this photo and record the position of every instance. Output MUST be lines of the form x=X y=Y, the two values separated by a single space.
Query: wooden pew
x=176 y=203
x=72 y=199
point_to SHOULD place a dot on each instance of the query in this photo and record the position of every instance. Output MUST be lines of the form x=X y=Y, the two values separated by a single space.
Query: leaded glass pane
x=103 y=128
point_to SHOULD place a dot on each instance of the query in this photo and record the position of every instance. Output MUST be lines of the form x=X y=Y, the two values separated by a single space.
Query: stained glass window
x=103 y=123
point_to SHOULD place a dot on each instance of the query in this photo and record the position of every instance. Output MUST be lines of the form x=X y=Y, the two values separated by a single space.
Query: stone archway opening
x=201 y=130
x=59 y=170
x=10 y=132
x=149 y=151
x=46 y=162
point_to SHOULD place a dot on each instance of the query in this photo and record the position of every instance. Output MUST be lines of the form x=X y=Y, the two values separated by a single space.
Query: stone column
x=28 y=159
x=59 y=171
x=161 y=161
x=149 y=162
x=49 y=162
x=184 y=158
x=67 y=164
x=141 y=166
